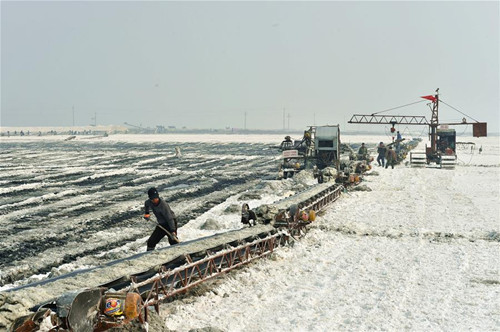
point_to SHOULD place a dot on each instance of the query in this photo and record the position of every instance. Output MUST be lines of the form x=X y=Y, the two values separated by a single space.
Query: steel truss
x=324 y=198
x=389 y=119
x=168 y=283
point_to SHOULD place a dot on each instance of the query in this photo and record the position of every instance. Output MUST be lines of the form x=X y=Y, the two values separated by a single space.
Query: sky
x=253 y=65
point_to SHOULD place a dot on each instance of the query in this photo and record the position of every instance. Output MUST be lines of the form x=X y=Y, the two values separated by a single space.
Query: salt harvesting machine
x=442 y=149
x=320 y=150
x=122 y=292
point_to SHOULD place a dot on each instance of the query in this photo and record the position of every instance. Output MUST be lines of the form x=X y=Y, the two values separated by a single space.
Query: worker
x=381 y=150
x=167 y=222
x=287 y=144
x=248 y=215
x=391 y=157
x=178 y=152
x=363 y=152
x=398 y=142
x=307 y=138
x=293 y=212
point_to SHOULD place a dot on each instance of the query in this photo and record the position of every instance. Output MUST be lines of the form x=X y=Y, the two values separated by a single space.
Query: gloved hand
x=146 y=217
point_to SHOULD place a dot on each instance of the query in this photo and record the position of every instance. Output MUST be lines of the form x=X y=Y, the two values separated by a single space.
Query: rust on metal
x=479 y=129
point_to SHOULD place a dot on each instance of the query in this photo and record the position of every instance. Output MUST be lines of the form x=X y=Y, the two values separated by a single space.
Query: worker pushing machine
x=167 y=222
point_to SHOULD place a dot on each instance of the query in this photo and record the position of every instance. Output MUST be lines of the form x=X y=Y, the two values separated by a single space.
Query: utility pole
x=283 y=119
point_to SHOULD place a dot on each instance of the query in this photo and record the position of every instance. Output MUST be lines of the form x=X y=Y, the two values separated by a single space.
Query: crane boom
x=389 y=119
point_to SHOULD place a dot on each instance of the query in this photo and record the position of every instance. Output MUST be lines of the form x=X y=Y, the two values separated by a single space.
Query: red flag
x=429 y=97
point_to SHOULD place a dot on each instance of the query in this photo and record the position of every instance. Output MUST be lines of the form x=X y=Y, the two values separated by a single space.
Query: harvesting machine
x=442 y=149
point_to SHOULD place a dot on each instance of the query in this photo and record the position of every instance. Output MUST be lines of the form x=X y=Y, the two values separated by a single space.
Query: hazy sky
x=206 y=64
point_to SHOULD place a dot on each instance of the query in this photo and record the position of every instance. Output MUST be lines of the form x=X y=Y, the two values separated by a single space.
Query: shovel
x=171 y=235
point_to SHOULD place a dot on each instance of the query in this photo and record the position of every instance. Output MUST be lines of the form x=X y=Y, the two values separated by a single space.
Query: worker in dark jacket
x=248 y=215
x=391 y=157
x=167 y=222
x=381 y=150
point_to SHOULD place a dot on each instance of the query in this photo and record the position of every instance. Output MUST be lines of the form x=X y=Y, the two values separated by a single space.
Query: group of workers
x=387 y=156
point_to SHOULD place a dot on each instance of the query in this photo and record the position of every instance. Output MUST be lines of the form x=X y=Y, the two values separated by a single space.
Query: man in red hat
x=167 y=222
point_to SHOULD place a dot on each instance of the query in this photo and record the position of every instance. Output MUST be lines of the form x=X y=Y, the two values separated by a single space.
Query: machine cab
x=446 y=141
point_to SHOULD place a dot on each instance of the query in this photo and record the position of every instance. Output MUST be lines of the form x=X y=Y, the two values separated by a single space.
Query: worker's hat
x=153 y=193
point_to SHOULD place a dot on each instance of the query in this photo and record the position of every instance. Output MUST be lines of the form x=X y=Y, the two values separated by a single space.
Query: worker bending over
x=167 y=222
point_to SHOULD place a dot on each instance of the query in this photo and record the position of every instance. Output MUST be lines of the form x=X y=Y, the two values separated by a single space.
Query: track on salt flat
x=67 y=200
